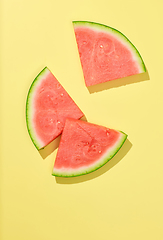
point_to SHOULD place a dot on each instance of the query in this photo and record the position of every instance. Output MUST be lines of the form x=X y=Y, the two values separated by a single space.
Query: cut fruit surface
x=47 y=107
x=85 y=147
x=105 y=53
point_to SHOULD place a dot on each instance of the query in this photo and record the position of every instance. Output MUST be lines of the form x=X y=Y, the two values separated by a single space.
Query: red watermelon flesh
x=48 y=106
x=85 y=147
x=105 y=53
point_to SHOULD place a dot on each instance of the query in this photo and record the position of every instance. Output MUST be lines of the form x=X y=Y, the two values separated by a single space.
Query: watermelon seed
x=100 y=151
x=77 y=159
x=61 y=94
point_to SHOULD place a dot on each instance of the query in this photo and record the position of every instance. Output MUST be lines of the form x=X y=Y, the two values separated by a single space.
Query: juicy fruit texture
x=85 y=147
x=105 y=53
x=48 y=105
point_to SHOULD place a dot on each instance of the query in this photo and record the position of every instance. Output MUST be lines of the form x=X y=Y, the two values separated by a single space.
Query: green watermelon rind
x=115 y=32
x=101 y=162
x=29 y=109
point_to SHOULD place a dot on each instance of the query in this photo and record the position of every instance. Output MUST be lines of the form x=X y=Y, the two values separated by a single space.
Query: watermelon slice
x=47 y=107
x=85 y=147
x=105 y=53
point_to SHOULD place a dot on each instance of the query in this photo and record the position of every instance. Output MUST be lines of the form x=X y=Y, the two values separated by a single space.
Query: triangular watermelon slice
x=47 y=107
x=85 y=147
x=105 y=53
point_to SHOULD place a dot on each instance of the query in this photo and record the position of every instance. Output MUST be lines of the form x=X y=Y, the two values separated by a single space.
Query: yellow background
x=122 y=200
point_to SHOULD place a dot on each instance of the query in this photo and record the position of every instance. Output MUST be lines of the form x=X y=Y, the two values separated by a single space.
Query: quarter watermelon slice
x=85 y=147
x=47 y=107
x=105 y=53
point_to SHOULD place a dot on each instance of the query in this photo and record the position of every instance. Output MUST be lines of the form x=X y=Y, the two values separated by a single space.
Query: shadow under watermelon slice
x=119 y=82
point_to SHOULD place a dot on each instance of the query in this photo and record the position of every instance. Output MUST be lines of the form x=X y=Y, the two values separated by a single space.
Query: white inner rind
x=115 y=33
x=70 y=172
x=30 y=108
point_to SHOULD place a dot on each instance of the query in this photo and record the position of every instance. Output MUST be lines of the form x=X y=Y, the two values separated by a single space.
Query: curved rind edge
x=98 y=165
x=29 y=107
x=100 y=27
